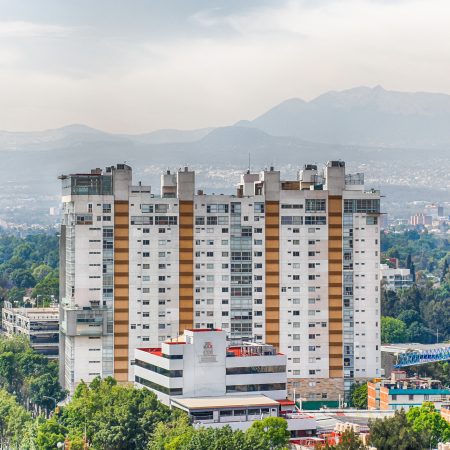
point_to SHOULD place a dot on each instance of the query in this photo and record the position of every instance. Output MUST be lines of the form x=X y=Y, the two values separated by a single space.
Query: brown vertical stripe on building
x=121 y=290
x=272 y=272
x=335 y=277
x=186 y=265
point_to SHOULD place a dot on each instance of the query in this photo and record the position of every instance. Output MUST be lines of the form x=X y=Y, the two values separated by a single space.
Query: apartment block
x=39 y=325
x=291 y=263
x=395 y=278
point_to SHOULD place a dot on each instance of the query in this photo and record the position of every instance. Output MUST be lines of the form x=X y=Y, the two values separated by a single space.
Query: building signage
x=208 y=355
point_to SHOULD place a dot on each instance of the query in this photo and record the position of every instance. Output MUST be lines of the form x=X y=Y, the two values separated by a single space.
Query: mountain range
x=360 y=116
x=360 y=125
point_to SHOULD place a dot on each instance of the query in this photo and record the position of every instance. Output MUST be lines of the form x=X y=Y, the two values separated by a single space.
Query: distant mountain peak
x=362 y=115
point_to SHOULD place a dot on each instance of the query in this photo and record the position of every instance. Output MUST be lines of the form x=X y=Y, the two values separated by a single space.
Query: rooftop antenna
x=249 y=163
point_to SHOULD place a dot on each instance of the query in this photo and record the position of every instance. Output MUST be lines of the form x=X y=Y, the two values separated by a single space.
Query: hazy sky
x=135 y=66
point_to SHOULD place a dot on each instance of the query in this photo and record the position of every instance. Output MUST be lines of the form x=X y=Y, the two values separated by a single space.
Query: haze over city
x=142 y=66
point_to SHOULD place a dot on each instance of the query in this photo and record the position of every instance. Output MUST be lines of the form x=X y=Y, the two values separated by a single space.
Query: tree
x=41 y=271
x=43 y=388
x=417 y=332
x=358 y=395
x=408 y=316
x=408 y=261
x=444 y=270
x=23 y=278
x=47 y=287
x=116 y=417
x=27 y=374
x=223 y=438
x=49 y=433
x=13 y=419
x=413 y=272
x=172 y=435
x=396 y=433
x=427 y=419
x=16 y=294
x=7 y=368
x=393 y=331
x=269 y=433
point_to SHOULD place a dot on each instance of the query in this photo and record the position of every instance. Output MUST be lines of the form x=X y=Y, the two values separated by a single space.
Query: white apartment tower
x=294 y=264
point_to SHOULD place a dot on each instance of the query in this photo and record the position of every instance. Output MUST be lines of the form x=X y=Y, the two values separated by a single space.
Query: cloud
x=21 y=29
x=226 y=64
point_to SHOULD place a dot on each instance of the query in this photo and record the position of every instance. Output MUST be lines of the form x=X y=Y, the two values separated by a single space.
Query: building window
x=315 y=205
x=256 y=387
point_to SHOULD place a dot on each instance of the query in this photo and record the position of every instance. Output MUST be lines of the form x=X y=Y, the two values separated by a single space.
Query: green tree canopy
x=393 y=331
x=427 y=419
x=358 y=395
x=397 y=433
x=269 y=433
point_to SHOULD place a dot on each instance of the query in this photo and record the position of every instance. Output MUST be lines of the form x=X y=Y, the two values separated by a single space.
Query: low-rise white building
x=395 y=278
x=39 y=325
x=239 y=412
x=200 y=364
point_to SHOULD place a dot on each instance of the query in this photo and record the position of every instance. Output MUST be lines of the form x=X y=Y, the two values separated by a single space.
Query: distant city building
x=434 y=210
x=401 y=392
x=393 y=279
x=39 y=325
x=201 y=364
x=292 y=263
x=420 y=219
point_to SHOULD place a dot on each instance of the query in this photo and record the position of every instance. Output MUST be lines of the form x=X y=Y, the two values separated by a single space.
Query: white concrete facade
x=201 y=364
x=395 y=278
x=231 y=277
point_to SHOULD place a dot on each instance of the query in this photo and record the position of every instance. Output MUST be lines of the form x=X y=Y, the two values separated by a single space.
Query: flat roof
x=231 y=401
x=419 y=391
x=151 y=350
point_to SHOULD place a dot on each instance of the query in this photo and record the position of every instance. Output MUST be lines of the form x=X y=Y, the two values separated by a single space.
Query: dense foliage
x=426 y=419
x=15 y=421
x=108 y=416
x=28 y=265
x=420 y=313
x=426 y=252
x=419 y=428
x=358 y=396
x=31 y=377
x=269 y=433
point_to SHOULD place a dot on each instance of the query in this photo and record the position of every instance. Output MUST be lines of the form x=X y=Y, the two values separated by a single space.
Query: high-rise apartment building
x=294 y=264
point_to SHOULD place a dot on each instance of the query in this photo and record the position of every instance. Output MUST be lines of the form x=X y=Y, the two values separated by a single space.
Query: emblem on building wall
x=208 y=353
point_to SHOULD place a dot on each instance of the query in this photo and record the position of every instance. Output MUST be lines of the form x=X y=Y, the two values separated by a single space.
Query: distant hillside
x=363 y=116
x=385 y=134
